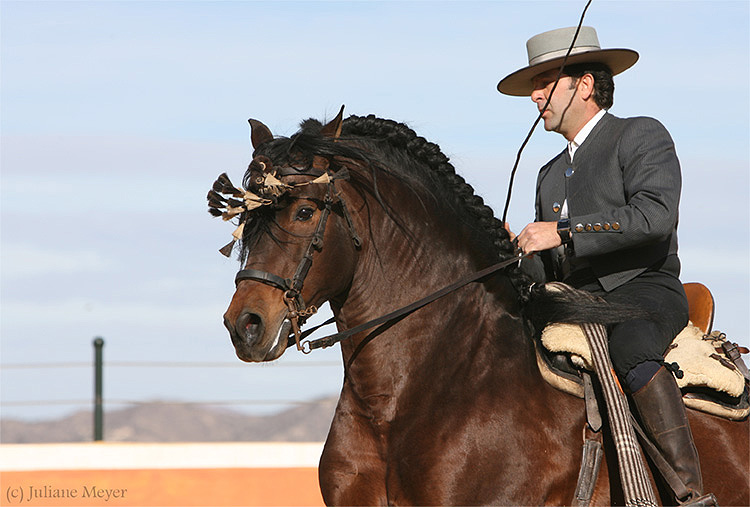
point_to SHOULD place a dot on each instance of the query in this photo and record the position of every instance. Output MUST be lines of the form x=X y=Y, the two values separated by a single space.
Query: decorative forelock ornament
x=227 y=201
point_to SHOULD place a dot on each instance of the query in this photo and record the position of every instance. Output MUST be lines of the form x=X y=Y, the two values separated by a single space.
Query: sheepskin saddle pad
x=712 y=379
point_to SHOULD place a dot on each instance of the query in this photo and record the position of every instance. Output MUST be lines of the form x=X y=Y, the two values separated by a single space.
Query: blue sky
x=117 y=116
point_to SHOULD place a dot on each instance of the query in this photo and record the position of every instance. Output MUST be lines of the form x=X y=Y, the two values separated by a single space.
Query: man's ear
x=586 y=86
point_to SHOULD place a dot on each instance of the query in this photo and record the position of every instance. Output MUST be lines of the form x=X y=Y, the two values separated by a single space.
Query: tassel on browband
x=232 y=203
x=227 y=201
x=226 y=206
x=226 y=250
x=215 y=200
x=224 y=186
x=272 y=186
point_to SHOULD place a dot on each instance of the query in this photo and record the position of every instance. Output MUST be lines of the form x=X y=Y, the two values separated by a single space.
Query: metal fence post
x=98 y=408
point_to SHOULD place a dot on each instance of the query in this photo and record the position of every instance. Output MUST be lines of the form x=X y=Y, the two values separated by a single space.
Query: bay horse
x=446 y=406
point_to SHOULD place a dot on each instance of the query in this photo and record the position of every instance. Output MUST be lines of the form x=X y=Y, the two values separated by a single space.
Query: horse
x=445 y=406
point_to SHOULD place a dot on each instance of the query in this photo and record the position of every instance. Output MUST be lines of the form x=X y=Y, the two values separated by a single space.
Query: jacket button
x=597 y=226
x=579 y=227
x=556 y=207
x=616 y=226
x=606 y=226
x=568 y=172
x=588 y=227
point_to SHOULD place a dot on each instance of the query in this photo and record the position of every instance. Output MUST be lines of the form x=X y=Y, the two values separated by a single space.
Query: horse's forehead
x=296 y=162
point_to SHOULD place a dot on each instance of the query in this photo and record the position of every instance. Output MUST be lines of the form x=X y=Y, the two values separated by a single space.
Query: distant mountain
x=174 y=422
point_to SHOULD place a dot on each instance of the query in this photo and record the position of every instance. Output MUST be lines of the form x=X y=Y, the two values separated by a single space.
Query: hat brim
x=520 y=84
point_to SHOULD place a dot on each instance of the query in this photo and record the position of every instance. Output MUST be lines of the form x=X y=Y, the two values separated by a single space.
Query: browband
x=298 y=171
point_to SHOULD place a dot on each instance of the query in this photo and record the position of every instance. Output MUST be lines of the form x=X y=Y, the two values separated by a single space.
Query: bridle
x=298 y=311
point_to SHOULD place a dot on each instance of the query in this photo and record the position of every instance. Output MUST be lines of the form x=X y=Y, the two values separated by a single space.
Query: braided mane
x=452 y=185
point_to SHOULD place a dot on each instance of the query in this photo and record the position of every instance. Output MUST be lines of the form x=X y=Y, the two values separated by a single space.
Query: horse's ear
x=259 y=133
x=333 y=129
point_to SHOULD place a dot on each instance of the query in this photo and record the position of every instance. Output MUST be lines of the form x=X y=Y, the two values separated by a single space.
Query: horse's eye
x=304 y=214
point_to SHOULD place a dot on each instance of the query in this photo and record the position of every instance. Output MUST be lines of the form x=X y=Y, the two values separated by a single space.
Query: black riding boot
x=662 y=413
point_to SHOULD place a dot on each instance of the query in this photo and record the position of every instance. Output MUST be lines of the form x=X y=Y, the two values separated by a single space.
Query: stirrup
x=707 y=500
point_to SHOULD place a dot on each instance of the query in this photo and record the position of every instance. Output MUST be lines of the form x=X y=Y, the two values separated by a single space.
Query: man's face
x=560 y=114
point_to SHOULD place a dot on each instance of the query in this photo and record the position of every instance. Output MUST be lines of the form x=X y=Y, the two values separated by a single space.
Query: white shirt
x=577 y=141
x=584 y=133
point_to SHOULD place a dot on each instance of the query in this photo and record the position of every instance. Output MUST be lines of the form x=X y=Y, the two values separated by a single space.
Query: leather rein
x=298 y=312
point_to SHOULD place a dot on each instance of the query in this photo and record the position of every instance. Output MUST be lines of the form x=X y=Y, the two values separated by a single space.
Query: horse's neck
x=455 y=332
x=396 y=268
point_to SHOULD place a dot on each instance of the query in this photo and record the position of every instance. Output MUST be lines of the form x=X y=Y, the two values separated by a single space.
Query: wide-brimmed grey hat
x=547 y=51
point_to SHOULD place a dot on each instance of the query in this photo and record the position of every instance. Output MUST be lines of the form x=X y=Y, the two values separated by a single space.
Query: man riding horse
x=606 y=222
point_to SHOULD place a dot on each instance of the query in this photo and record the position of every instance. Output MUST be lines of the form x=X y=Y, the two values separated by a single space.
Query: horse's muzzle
x=247 y=334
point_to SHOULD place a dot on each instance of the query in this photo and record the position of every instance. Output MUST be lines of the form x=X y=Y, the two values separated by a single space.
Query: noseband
x=298 y=312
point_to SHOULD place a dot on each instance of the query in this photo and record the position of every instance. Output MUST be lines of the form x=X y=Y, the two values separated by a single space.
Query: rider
x=606 y=222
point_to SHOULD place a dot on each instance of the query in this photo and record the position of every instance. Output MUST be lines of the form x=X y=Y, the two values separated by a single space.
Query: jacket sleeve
x=651 y=182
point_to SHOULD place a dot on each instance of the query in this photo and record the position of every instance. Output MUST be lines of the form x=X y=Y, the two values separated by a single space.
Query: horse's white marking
x=284 y=326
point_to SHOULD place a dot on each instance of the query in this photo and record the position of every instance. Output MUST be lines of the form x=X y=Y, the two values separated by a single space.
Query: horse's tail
x=556 y=302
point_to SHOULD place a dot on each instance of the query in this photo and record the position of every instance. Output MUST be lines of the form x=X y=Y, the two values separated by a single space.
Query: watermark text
x=18 y=495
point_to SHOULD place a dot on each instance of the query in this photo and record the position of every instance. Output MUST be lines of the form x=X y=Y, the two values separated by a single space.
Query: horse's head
x=299 y=245
x=300 y=248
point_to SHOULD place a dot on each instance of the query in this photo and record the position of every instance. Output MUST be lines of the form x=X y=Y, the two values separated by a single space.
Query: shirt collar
x=584 y=133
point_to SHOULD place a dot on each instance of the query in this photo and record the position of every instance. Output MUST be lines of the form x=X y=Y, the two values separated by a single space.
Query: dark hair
x=604 y=85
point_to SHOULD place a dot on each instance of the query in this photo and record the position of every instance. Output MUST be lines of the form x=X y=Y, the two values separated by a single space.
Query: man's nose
x=537 y=95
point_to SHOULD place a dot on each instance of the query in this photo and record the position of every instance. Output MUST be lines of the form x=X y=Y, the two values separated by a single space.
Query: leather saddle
x=715 y=380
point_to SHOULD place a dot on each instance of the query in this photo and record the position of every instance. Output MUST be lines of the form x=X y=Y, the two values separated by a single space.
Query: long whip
x=538 y=118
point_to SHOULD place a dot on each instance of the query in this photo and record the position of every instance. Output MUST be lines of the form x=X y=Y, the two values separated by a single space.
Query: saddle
x=715 y=378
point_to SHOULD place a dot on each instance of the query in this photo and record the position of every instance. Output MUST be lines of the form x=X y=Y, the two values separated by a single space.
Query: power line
x=164 y=364
x=26 y=403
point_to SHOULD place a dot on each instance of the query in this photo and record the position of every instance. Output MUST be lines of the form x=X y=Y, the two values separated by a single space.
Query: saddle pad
x=702 y=360
x=569 y=339
x=697 y=357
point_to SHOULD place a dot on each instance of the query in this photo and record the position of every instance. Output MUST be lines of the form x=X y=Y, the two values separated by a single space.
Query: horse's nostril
x=249 y=326
x=253 y=324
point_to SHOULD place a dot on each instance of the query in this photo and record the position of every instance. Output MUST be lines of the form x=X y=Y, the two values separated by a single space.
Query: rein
x=391 y=318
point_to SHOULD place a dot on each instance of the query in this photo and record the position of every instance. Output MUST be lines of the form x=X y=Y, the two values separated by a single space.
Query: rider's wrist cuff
x=563 y=230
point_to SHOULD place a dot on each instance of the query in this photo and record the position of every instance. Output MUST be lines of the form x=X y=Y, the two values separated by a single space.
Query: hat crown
x=555 y=43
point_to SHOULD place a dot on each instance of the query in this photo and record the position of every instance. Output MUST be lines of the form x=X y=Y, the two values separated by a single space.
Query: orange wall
x=160 y=474
x=163 y=487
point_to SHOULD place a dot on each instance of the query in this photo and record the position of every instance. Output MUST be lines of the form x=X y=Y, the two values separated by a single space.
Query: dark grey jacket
x=623 y=198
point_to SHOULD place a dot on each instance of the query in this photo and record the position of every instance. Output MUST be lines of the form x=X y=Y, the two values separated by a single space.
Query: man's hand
x=538 y=236
x=507 y=228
